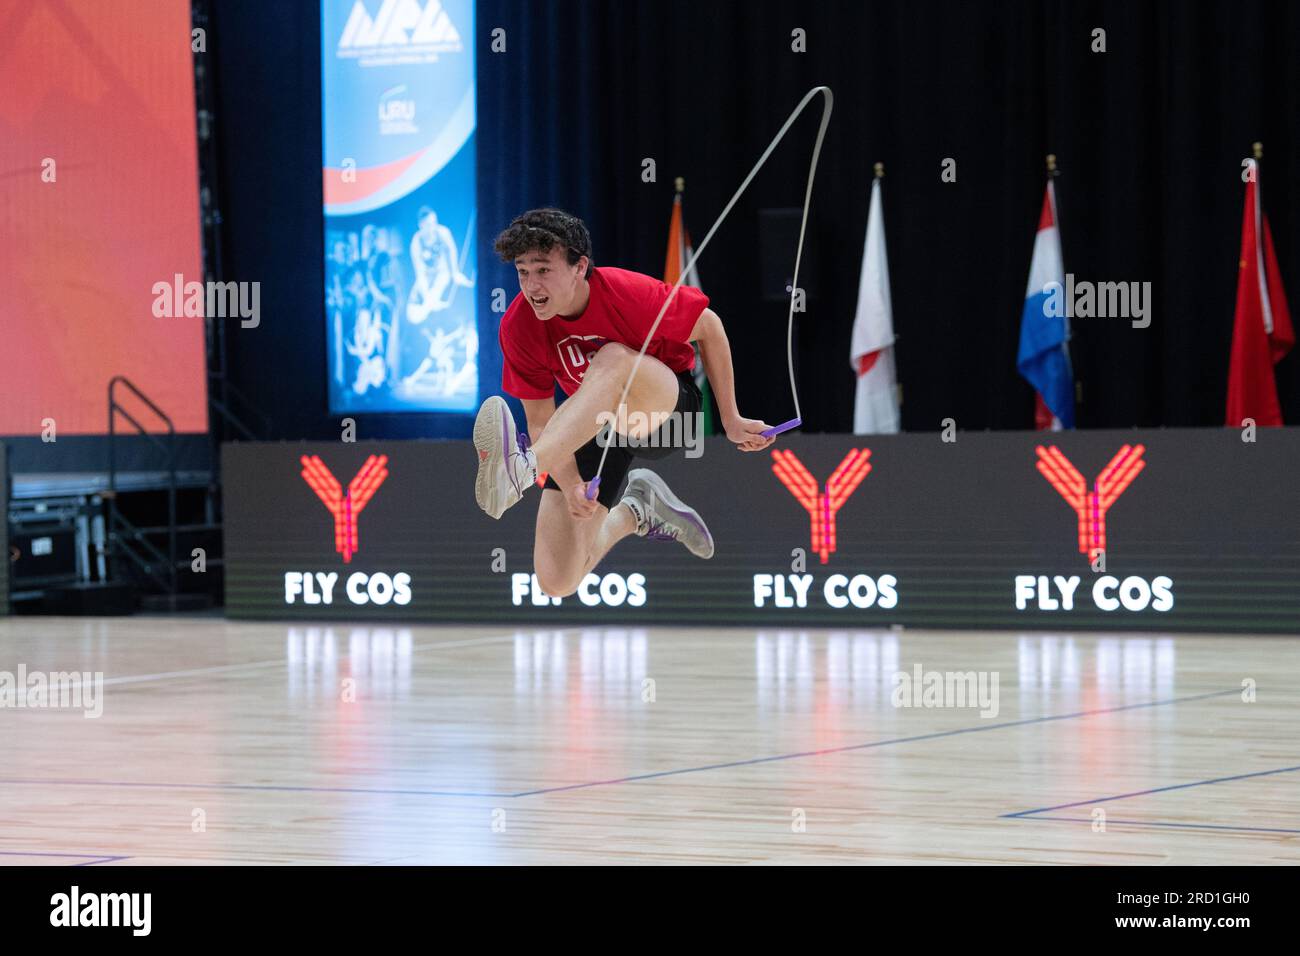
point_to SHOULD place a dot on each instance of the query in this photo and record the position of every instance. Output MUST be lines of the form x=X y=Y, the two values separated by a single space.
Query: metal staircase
x=145 y=555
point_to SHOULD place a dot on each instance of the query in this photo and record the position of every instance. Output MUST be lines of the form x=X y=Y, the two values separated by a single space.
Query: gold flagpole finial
x=1051 y=164
x=1258 y=149
x=880 y=170
x=680 y=183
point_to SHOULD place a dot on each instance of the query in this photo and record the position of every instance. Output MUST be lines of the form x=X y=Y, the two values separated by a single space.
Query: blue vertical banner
x=399 y=116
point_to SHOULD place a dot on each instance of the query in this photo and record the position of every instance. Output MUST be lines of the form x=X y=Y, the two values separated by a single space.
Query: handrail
x=151 y=550
x=141 y=429
x=115 y=519
x=140 y=395
x=227 y=409
x=231 y=419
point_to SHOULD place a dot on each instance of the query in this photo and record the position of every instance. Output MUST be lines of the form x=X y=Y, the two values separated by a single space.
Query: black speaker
x=43 y=553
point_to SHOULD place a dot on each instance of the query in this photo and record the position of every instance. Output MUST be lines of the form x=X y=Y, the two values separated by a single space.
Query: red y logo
x=345 y=507
x=822 y=505
x=1091 y=506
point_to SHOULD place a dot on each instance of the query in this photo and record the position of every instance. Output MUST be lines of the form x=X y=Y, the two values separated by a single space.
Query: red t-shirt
x=622 y=307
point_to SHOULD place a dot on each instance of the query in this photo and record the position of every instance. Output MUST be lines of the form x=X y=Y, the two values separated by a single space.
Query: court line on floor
x=1035 y=814
x=1143 y=793
x=90 y=858
x=1160 y=823
x=880 y=743
x=635 y=778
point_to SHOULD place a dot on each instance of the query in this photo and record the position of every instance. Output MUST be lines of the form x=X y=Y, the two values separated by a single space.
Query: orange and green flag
x=679 y=253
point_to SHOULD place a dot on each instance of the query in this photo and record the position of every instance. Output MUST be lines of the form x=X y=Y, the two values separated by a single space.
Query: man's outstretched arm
x=715 y=352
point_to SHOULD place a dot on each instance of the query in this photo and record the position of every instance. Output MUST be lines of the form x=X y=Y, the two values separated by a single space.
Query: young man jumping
x=583 y=326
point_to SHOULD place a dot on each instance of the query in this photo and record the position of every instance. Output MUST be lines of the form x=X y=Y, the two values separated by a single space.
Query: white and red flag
x=875 y=408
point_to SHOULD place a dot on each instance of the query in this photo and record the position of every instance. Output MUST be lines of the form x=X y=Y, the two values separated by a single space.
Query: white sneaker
x=506 y=465
x=661 y=516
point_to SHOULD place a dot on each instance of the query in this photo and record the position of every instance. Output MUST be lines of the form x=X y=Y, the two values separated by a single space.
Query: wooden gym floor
x=225 y=742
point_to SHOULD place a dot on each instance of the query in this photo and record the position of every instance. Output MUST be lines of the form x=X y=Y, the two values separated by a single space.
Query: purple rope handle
x=783 y=427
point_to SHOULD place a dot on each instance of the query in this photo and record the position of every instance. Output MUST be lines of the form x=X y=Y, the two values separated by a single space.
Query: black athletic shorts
x=619 y=460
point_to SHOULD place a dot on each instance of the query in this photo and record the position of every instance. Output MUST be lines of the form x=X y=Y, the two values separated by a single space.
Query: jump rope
x=795 y=422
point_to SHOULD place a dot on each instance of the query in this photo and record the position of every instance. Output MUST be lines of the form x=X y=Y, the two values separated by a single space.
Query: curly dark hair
x=541 y=230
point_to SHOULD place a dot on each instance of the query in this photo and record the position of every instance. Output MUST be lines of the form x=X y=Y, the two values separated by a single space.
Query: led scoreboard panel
x=1160 y=529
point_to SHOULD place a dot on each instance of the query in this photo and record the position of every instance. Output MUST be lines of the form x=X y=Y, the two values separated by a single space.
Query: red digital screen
x=98 y=203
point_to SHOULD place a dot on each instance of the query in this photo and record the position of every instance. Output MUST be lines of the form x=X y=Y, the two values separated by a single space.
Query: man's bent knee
x=556 y=585
x=612 y=358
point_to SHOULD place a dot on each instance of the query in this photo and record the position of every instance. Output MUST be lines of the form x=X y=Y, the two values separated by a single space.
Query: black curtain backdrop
x=1149 y=136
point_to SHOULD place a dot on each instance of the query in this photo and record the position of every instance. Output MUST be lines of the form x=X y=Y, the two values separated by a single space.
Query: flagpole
x=1258 y=149
x=701 y=380
x=879 y=170
x=1052 y=174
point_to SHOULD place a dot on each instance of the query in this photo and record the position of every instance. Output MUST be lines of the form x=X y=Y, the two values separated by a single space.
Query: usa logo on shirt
x=576 y=352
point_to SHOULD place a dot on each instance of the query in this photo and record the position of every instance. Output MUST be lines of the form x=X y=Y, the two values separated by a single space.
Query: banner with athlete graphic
x=398 y=114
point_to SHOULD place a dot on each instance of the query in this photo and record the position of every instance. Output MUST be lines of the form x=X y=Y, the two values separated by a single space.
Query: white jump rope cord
x=794 y=283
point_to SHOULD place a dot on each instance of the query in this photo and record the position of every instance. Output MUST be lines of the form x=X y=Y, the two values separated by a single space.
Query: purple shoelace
x=656 y=532
x=524 y=445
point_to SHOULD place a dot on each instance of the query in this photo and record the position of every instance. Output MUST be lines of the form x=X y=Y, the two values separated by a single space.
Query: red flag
x=1044 y=420
x=1261 y=331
